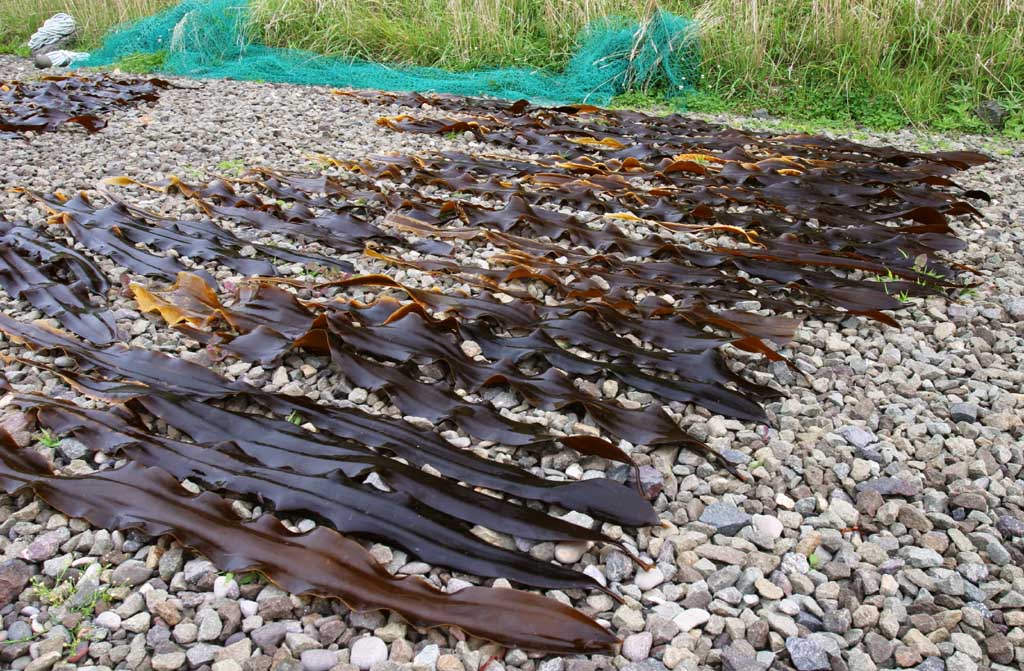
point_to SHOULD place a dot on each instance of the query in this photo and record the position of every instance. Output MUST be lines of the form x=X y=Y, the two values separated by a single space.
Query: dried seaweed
x=346 y=228
x=116 y=231
x=388 y=331
x=320 y=562
x=43 y=287
x=155 y=372
x=423 y=515
x=45 y=105
x=656 y=243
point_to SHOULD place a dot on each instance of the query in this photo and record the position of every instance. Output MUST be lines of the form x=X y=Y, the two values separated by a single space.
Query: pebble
x=887 y=486
x=1010 y=527
x=269 y=636
x=648 y=580
x=210 y=625
x=45 y=546
x=427 y=657
x=367 y=651
x=630 y=619
x=691 y=618
x=14 y=575
x=168 y=661
x=322 y=660
x=857 y=436
x=741 y=656
x=922 y=557
x=963 y=412
x=132 y=572
x=636 y=647
x=768 y=589
x=726 y=518
x=571 y=552
x=768 y=526
x=807 y=654
x=137 y=623
x=46 y=661
x=109 y=620
x=224 y=588
x=617 y=566
x=449 y=663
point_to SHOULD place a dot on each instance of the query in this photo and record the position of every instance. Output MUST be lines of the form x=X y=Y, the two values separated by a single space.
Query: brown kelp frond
x=45 y=105
x=321 y=562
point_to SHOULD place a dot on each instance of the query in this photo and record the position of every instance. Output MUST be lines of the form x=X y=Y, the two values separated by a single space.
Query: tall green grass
x=454 y=34
x=884 y=63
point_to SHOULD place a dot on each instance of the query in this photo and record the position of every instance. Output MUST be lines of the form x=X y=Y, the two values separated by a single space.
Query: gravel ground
x=895 y=464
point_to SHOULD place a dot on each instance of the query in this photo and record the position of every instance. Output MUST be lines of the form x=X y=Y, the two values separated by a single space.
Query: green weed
x=48 y=439
x=141 y=63
x=192 y=172
x=234 y=167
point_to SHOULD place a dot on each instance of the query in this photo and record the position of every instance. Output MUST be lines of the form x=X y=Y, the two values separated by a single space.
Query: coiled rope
x=55 y=29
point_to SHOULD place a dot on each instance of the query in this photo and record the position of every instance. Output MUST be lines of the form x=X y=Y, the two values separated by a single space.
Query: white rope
x=62 y=58
x=53 y=30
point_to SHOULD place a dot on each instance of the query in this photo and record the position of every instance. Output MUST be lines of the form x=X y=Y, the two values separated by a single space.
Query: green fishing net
x=211 y=39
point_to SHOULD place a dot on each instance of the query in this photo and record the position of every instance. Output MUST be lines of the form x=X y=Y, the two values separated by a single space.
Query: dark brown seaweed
x=320 y=562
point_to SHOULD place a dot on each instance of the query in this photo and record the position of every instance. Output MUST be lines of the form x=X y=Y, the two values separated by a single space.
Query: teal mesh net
x=211 y=39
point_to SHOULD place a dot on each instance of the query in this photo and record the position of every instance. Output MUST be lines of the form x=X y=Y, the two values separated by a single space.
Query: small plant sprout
x=234 y=167
x=48 y=439
x=248 y=578
x=193 y=172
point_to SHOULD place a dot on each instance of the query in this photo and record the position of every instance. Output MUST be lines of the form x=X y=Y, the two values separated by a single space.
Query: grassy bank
x=882 y=63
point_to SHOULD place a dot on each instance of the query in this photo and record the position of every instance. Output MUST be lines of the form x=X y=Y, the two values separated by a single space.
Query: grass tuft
x=141 y=64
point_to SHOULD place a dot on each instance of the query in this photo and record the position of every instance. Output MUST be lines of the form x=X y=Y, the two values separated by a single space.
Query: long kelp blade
x=349 y=506
x=320 y=562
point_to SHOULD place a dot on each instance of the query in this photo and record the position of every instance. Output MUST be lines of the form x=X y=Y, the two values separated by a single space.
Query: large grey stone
x=318 y=660
x=740 y=656
x=857 y=436
x=367 y=651
x=807 y=655
x=887 y=486
x=14 y=575
x=269 y=636
x=726 y=518
x=132 y=572
x=963 y=412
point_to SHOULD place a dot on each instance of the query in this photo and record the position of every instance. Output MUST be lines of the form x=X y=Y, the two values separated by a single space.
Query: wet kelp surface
x=47 y=104
x=610 y=250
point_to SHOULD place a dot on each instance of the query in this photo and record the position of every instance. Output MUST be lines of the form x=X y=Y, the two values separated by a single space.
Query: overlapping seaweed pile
x=49 y=103
x=617 y=247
